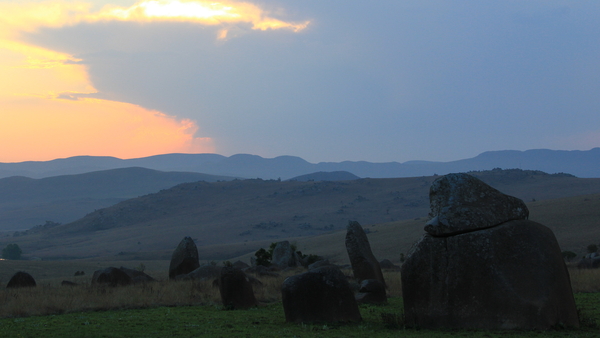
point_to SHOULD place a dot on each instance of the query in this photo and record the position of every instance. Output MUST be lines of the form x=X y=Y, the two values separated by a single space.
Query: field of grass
x=192 y=309
x=264 y=321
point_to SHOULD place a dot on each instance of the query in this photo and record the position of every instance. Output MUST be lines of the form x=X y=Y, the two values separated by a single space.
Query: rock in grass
x=21 y=280
x=236 y=289
x=319 y=295
x=511 y=276
x=482 y=266
x=111 y=277
x=283 y=255
x=371 y=291
x=364 y=263
x=137 y=276
x=184 y=259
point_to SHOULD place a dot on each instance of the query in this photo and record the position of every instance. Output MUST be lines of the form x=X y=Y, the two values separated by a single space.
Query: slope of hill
x=230 y=218
x=25 y=202
x=326 y=176
x=574 y=220
x=578 y=163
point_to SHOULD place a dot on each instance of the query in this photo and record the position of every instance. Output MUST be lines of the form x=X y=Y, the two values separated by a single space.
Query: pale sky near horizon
x=332 y=80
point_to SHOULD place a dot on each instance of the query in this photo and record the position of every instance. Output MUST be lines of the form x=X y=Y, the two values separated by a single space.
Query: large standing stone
x=236 y=289
x=111 y=277
x=283 y=255
x=184 y=259
x=494 y=270
x=21 y=280
x=319 y=295
x=364 y=263
x=461 y=203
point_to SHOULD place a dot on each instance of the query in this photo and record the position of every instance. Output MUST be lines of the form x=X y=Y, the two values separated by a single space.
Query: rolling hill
x=25 y=202
x=229 y=219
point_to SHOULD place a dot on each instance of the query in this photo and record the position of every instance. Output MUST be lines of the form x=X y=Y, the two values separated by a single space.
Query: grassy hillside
x=26 y=202
x=229 y=219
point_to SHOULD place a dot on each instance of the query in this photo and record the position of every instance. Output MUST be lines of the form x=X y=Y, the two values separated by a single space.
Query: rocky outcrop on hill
x=481 y=265
x=184 y=259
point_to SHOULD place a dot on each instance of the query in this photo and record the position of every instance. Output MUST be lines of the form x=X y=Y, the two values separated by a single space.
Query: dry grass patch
x=585 y=280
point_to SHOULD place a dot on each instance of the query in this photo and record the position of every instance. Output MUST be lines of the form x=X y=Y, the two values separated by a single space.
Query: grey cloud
x=391 y=80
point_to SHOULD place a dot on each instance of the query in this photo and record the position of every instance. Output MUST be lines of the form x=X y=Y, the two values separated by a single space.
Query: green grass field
x=265 y=321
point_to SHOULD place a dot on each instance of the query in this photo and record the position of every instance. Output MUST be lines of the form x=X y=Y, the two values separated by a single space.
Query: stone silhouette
x=283 y=255
x=461 y=203
x=137 y=276
x=21 y=280
x=68 y=283
x=371 y=291
x=184 y=259
x=111 y=277
x=319 y=295
x=487 y=268
x=205 y=272
x=364 y=263
x=236 y=289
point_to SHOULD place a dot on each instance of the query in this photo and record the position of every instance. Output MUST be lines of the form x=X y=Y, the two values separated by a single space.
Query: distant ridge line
x=581 y=163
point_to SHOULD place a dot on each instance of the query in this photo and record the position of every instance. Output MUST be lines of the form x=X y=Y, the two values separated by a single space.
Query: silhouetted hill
x=326 y=176
x=578 y=163
x=25 y=202
x=226 y=218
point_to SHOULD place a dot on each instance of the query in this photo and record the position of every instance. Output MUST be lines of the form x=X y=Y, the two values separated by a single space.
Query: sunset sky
x=324 y=80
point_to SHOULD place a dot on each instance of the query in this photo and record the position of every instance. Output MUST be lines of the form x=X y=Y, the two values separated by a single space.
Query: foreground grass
x=265 y=321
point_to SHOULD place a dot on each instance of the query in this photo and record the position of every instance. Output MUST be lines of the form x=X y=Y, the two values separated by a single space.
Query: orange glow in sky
x=37 y=124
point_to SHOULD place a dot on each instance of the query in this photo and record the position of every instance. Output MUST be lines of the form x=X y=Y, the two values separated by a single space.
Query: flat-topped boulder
x=462 y=203
x=482 y=265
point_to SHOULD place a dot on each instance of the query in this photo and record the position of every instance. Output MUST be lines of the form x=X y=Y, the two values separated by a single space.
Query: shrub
x=568 y=255
x=11 y=251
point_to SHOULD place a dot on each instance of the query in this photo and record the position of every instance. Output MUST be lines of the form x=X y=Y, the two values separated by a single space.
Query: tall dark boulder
x=21 y=280
x=364 y=263
x=236 y=289
x=493 y=270
x=319 y=295
x=184 y=259
x=283 y=255
x=111 y=277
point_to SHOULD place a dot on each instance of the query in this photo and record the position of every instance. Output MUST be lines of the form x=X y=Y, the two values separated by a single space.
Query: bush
x=592 y=248
x=11 y=251
x=263 y=257
x=568 y=255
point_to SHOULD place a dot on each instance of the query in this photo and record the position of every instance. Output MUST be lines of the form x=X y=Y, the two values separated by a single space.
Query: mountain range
x=583 y=164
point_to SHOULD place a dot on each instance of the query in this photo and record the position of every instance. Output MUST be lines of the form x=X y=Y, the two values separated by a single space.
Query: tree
x=568 y=255
x=263 y=257
x=592 y=248
x=11 y=251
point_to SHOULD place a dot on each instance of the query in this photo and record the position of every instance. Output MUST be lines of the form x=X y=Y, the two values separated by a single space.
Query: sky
x=328 y=81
